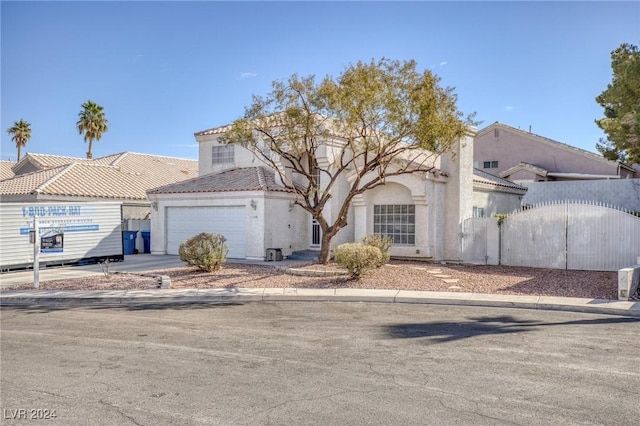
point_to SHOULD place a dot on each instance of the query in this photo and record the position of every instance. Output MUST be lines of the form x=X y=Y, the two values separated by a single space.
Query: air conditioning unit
x=274 y=254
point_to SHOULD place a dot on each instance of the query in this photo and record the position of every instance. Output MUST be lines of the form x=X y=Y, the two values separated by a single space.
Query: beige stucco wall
x=442 y=202
x=510 y=148
x=407 y=189
x=272 y=224
x=242 y=156
x=494 y=201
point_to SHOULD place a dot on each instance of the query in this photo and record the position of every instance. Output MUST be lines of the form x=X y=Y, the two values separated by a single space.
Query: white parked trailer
x=70 y=232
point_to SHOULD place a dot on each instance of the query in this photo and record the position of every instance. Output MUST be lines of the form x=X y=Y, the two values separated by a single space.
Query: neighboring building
x=242 y=198
x=492 y=194
x=123 y=177
x=521 y=156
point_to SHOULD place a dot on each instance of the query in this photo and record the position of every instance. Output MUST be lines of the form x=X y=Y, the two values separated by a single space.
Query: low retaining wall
x=628 y=282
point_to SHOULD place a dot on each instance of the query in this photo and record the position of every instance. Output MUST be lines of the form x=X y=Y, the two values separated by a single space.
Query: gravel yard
x=401 y=275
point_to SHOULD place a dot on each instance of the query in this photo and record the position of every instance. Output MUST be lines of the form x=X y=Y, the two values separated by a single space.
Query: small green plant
x=382 y=242
x=501 y=217
x=206 y=251
x=357 y=258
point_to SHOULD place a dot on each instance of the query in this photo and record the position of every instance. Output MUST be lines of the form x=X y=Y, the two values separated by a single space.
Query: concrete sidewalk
x=148 y=262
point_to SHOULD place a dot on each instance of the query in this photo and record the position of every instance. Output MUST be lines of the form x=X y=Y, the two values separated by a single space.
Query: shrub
x=383 y=242
x=205 y=251
x=357 y=258
x=501 y=217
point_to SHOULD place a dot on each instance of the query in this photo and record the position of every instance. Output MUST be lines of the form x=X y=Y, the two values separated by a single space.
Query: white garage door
x=185 y=222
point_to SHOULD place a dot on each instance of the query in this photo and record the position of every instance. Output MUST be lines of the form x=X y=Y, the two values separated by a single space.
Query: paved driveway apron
x=319 y=363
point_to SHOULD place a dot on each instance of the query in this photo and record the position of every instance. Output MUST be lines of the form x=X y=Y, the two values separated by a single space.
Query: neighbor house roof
x=238 y=179
x=544 y=173
x=45 y=161
x=125 y=176
x=551 y=142
x=6 y=171
x=484 y=178
x=526 y=167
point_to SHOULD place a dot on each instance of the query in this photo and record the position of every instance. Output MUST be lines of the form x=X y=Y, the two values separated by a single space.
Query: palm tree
x=92 y=123
x=20 y=134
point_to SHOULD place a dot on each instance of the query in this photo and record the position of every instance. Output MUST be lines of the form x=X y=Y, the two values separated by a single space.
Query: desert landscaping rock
x=399 y=275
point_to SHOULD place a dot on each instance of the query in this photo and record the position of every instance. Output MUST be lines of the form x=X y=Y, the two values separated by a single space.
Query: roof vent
x=496 y=133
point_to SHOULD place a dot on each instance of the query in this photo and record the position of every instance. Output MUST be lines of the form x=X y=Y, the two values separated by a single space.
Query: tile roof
x=6 y=171
x=480 y=176
x=29 y=182
x=125 y=175
x=271 y=119
x=47 y=161
x=238 y=179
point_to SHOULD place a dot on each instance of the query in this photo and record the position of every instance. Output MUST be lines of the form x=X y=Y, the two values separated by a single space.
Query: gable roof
x=551 y=142
x=45 y=161
x=238 y=179
x=124 y=176
x=6 y=169
x=485 y=178
x=524 y=166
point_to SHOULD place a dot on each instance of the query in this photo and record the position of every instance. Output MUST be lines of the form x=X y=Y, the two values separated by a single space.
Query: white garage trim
x=230 y=221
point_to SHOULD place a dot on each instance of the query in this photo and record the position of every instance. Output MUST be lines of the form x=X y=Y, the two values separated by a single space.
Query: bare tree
x=375 y=120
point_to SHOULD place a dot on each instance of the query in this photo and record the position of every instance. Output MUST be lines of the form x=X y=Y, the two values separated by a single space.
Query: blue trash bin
x=146 y=236
x=129 y=240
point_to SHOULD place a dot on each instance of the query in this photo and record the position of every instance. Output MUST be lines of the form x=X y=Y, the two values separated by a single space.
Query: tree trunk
x=89 y=154
x=325 y=245
x=18 y=154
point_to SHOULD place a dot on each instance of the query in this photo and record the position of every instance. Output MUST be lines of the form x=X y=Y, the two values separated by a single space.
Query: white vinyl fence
x=566 y=235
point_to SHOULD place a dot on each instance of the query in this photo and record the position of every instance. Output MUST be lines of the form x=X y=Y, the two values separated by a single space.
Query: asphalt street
x=318 y=363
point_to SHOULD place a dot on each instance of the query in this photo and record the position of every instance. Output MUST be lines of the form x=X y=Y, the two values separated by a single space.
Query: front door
x=315 y=234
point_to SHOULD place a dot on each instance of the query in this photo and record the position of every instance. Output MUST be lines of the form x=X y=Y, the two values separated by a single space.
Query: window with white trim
x=222 y=154
x=397 y=221
x=490 y=165
x=478 y=212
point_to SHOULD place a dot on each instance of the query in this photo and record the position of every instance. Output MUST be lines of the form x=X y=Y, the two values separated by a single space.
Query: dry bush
x=206 y=251
x=358 y=258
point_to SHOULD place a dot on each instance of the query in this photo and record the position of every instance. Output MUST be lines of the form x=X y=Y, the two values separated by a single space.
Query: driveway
x=319 y=363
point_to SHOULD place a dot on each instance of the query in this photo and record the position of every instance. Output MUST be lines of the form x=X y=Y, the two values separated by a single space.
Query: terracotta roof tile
x=125 y=175
x=6 y=171
x=239 y=179
x=27 y=183
x=480 y=176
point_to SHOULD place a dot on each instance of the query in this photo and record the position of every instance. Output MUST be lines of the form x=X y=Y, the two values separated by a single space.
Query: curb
x=193 y=296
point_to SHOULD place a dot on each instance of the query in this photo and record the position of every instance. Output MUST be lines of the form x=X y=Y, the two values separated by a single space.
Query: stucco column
x=458 y=164
x=359 y=217
x=422 y=225
x=438 y=220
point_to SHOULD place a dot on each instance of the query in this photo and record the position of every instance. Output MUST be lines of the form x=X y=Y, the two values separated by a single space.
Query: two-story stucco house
x=521 y=156
x=240 y=197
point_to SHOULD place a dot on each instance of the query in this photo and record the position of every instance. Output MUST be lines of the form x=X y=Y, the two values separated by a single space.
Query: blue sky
x=164 y=70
